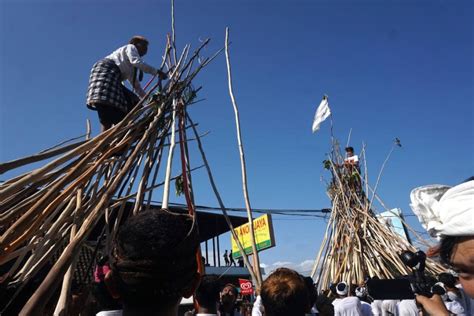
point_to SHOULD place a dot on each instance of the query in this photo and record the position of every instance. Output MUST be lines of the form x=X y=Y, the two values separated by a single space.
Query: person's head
x=154 y=260
x=207 y=294
x=141 y=43
x=361 y=292
x=448 y=280
x=312 y=292
x=324 y=305
x=350 y=151
x=229 y=295
x=284 y=292
x=448 y=213
x=342 y=289
x=458 y=252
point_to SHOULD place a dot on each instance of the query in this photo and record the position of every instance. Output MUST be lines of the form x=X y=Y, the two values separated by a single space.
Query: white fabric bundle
x=445 y=211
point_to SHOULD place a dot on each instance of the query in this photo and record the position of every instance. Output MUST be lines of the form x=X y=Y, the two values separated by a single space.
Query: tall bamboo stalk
x=242 y=161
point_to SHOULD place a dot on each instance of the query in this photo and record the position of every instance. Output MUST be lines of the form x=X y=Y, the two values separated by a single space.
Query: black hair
x=312 y=292
x=448 y=243
x=138 y=39
x=447 y=279
x=349 y=148
x=332 y=288
x=207 y=294
x=155 y=257
x=438 y=289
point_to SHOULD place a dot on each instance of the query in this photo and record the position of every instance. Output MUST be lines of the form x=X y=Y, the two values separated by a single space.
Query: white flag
x=322 y=113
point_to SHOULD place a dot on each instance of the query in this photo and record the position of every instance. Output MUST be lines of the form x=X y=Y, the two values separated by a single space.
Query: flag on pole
x=322 y=113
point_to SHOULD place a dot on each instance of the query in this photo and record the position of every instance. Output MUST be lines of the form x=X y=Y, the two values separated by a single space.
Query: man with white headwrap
x=447 y=213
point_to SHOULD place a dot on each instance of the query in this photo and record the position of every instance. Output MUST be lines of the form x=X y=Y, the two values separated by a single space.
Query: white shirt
x=127 y=58
x=336 y=301
x=407 y=308
x=349 y=306
x=257 y=309
x=389 y=307
x=455 y=307
x=353 y=158
x=376 y=307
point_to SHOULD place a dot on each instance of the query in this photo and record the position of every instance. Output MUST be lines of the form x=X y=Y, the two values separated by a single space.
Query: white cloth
x=257 y=308
x=407 y=308
x=336 y=301
x=455 y=308
x=445 y=211
x=389 y=307
x=376 y=306
x=322 y=113
x=349 y=306
x=342 y=288
x=127 y=58
x=110 y=313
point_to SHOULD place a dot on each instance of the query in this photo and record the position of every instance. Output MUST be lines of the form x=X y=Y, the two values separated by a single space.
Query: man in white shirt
x=351 y=168
x=106 y=93
x=351 y=159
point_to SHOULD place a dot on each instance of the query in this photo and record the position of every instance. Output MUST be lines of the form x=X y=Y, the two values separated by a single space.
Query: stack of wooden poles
x=57 y=206
x=357 y=244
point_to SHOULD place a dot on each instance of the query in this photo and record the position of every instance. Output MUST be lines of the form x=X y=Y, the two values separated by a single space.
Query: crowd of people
x=155 y=264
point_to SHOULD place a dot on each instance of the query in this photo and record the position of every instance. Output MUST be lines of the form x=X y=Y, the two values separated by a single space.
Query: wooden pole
x=243 y=167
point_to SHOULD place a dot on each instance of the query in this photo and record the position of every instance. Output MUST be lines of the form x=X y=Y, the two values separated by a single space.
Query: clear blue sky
x=391 y=69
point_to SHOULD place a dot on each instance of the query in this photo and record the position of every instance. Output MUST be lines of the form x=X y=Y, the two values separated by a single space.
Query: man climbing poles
x=106 y=92
x=352 y=169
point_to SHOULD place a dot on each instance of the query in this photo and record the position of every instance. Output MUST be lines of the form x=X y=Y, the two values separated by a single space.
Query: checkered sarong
x=105 y=86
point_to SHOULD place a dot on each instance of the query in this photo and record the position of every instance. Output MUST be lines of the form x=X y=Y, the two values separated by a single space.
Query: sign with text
x=393 y=220
x=264 y=237
x=246 y=287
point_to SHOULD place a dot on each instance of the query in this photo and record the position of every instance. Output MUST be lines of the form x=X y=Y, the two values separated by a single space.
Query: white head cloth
x=445 y=211
x=361 y=292
x=342 y=288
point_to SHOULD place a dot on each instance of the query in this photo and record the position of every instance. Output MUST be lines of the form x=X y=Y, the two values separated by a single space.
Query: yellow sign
x=264 y=237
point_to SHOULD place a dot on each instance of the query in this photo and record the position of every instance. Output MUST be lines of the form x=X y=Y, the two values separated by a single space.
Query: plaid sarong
x=105 y=86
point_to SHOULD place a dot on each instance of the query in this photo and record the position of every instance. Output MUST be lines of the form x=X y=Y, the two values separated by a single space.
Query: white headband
x=344 y=289
x=445 y=211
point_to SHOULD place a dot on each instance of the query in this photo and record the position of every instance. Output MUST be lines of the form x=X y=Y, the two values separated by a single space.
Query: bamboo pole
x=222 y=206
x=243 y=167
x=170 y=158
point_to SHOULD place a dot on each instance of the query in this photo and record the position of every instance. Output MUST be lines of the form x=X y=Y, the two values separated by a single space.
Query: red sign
x=246 y=287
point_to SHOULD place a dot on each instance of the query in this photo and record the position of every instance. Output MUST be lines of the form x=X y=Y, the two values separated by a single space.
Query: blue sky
x=391 y=69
